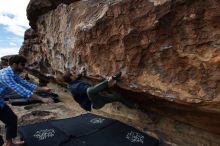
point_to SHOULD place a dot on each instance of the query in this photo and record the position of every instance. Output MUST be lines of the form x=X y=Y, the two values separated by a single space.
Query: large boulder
x=37 y=8
x=168 y=51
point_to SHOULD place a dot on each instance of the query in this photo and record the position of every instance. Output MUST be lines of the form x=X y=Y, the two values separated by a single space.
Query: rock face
x=4 y=61
x=167 y=50
x=39 y=7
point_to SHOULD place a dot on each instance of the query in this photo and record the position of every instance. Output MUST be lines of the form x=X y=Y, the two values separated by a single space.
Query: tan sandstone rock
x=168 y=50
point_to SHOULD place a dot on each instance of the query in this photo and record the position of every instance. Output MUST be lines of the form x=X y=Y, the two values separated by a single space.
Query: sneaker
x=117 y=75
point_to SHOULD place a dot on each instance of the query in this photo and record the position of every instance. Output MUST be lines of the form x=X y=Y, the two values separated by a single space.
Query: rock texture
x=4 y=61
x=168 y=50
x=39 y=7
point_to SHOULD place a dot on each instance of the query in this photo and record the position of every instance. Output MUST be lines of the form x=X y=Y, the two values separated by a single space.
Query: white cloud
x=8 y=51
x=13 y=15
x=17 y=39
x=12 y=44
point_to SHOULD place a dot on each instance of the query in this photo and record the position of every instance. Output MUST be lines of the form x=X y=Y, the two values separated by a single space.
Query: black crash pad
x=82 y=125
x=12 y=95
x=84 y=130
x=24 y=101
x=42 y=134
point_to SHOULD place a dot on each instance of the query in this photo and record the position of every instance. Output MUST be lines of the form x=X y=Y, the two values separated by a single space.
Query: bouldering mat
x=84 y=130
x=42 y=134
x=82 y=125
x=24 y=101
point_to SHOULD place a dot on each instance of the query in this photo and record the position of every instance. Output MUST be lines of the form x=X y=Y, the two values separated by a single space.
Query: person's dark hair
x=17 y=59
x=66 y=77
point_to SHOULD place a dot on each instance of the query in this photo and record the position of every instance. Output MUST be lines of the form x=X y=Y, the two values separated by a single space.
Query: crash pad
x=25 y=101
x=84 y=130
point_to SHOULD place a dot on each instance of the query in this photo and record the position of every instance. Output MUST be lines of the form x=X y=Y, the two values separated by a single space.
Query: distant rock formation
x=4 y=61
x=167 y=50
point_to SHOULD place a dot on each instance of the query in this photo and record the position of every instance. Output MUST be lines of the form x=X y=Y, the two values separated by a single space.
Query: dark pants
x=8 y=117
x=1 y=141
x=98 y=98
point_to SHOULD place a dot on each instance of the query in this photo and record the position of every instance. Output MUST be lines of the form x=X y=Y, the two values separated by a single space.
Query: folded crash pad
x=24 y=101
x=84 y=130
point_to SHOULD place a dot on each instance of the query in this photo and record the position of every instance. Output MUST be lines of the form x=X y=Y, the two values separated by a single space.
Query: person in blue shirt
x=11 y=81
x=88 y=96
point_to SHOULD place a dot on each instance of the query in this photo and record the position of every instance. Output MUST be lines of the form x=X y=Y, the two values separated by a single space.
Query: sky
x=13 y=23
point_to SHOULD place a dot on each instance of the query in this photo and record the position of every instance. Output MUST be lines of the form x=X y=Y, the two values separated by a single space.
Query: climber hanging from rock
x=89 y=96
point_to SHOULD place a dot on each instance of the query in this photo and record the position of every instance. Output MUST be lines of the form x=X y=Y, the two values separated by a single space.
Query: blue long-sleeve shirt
x=9 y=80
